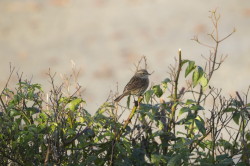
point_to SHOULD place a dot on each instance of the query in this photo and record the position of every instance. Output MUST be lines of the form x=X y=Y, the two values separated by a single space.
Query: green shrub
x=171 y=126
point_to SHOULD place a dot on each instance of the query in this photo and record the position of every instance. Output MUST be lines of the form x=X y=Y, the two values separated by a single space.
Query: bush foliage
x=171 y=125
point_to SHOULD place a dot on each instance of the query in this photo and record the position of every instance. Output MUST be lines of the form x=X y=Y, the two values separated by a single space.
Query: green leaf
x=128 y=101
x=165 y=83
x=190 y=68
x=157 y=90
x=33 y=110
x=149 y=114
x=157 y=159
x=167 y=80
x=190 y=101
x=144 y=108
x=53 y=126
x=73 y=105
x=64 y=100
x=248 y=136
x=183 y=110
x=226 y=144
x=43 y=116
x=236 y=117
x=236 y=103
x=230 y=109
x=37 y=86
x=224 y=159
x=241 y=164
x=200 y=124
x=70 y=132
x=14 y=112
x=197 y=74
x=184 y=61
x=148 y=95
x=196 y=107
x=203 y=81
x=175 y=160
x=160 y=125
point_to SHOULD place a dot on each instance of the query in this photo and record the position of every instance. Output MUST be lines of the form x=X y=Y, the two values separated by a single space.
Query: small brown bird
x=137 y=84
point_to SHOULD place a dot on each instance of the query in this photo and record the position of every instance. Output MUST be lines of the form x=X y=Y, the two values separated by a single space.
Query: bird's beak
x=151 y=73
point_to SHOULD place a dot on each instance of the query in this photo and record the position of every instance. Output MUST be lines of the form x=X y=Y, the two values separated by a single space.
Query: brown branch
x=47 y=155
x=6 y=85
x=143 y=58
x=118 y=135
x=131 y=115
x=175 y=95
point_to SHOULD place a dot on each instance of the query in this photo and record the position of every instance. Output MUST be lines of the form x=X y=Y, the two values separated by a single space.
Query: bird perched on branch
x=137 y=84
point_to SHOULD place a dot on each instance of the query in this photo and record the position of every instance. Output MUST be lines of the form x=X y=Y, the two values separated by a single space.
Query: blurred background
x=105 y=38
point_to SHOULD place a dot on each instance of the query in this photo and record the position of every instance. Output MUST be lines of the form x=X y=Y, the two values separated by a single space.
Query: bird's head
x=143 y=73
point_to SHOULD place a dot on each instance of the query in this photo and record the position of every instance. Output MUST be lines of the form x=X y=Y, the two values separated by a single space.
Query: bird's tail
x=120 y=97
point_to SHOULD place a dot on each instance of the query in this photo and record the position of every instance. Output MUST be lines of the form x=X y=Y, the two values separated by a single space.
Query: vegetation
x=171 y=125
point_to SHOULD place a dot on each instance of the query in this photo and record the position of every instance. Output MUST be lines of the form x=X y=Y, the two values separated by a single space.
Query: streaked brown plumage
x=137 y=84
